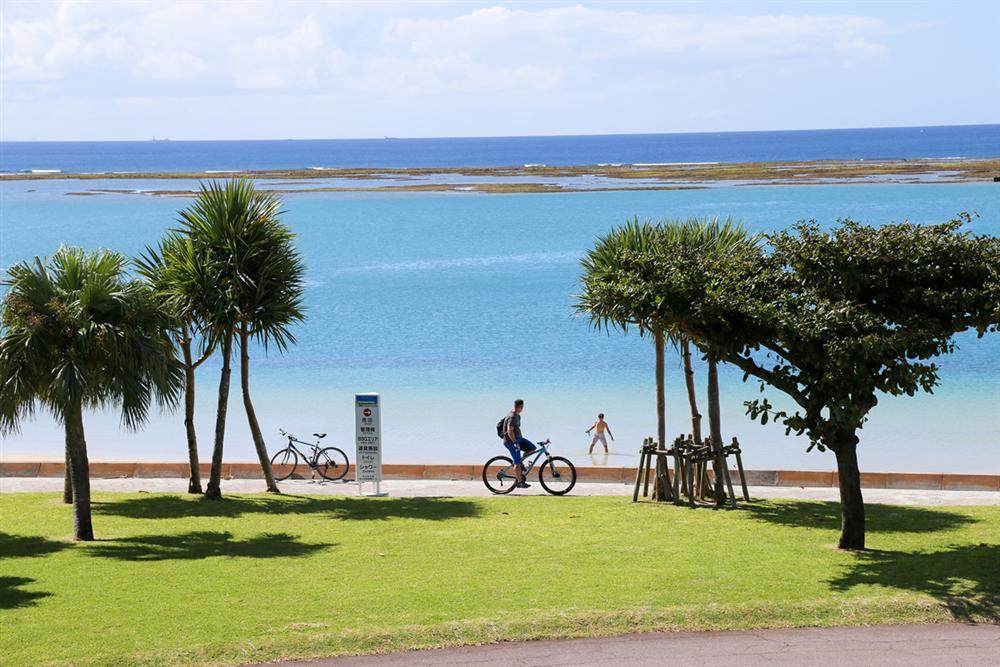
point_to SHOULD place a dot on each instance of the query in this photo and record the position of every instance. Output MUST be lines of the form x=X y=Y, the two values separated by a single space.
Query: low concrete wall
x=871 y=480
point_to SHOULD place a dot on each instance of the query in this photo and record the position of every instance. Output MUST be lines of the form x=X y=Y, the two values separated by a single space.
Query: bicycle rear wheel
x=557 y=475
x=332 y=463
x=283 y=463
x=498 y=475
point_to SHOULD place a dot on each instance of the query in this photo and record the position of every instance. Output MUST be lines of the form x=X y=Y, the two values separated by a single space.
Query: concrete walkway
x=884 y=645
x=441 y=488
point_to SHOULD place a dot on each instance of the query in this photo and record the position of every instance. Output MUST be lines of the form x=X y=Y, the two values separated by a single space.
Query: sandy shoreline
x=580 y=178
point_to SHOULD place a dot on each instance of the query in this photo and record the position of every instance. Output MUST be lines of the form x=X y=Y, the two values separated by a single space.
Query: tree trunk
x=852 y=503
x=76 y=446
x=214 y=491
x=661 y=410
x=661 y=490
x=258 y=438
x=715 y=428
x=692 y=395
x=68 y=481
x=194 y=481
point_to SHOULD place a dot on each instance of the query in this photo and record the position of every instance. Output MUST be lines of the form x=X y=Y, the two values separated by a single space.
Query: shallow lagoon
x=451 y=305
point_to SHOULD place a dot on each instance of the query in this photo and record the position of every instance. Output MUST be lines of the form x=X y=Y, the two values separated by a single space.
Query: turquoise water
x=452 y=304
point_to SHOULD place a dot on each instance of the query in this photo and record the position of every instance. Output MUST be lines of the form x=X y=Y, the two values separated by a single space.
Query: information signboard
x=368 y=440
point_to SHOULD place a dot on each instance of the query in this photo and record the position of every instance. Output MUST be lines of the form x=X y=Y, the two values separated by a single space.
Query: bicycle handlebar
x=292 y=438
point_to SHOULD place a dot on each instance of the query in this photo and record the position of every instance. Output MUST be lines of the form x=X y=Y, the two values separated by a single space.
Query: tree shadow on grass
x=965 y=579
x=202 y=544
x=878 y=518
x=336 y=507
x=27 y=546
x=12 y=596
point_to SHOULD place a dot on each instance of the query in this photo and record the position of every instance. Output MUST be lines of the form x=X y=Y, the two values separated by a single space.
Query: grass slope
x=176 y=579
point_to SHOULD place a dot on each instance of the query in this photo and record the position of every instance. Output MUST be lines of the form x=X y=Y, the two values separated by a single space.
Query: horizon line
x=501 y=136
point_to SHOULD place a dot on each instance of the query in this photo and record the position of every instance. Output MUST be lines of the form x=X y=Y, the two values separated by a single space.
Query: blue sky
x=260 y=70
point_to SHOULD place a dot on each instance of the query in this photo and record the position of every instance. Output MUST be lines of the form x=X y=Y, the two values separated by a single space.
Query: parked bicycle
x=330 y=462
x=556 y=474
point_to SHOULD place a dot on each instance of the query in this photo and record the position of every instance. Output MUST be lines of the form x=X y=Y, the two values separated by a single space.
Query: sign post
x=368 y=441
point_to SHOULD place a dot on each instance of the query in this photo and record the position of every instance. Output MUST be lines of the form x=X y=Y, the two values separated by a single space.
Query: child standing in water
x=600 y=427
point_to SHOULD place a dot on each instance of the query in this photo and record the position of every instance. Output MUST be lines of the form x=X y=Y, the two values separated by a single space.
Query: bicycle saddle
x=320 y=435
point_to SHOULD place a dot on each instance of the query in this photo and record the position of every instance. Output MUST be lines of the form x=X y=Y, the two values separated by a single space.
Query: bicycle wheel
x=283 y=463
x=332 y=463
x=557 y=476
x=498 y=475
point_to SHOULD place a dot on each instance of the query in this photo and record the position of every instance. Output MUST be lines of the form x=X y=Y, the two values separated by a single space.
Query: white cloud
x=194 y=48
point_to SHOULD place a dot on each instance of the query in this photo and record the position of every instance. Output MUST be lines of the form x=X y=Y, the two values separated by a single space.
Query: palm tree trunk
x=692 y=394
x=661 y=490
x=67 y=481
x=661 y=409
x=76 y=446
x=214 y=491
x=194 y=482
x=258 y=438
x=715 y=428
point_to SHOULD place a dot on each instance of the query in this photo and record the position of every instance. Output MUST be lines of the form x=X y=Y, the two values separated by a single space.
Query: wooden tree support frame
x=663 y=489
x=691 y=470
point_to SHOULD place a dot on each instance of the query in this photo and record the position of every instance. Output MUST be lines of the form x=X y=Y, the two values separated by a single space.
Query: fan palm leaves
x=78 y=334
x=620 y=277
x=161 y=267
x=616 y=295
x=242 y=277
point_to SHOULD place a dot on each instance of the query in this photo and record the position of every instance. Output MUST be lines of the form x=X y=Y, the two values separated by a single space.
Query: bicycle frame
x=309 y=460
x=542 y=449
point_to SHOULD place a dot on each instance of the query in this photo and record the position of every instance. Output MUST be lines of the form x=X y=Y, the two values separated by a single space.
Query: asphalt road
x=882 y=645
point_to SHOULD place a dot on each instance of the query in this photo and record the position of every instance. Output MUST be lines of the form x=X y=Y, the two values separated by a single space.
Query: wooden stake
x=739 y=465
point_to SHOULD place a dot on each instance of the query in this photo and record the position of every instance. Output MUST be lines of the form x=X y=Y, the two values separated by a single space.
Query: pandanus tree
x=244 y=279
x=164 y=268
x=612 y=301
x=711 y=240
x=621 y=280
x=78 y=334
x=836 y=319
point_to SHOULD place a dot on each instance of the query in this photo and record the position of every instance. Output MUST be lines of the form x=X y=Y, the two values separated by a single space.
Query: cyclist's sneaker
x=522 y=485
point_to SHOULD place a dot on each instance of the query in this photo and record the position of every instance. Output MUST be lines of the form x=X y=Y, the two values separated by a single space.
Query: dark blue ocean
x=161 y=156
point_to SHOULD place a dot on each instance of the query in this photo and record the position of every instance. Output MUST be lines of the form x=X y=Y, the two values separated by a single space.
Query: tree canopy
x=76 y=329
x=830 y=318
x=77 y=333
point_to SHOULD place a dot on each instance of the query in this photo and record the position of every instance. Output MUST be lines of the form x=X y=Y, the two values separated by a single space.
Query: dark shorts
x=523 y=445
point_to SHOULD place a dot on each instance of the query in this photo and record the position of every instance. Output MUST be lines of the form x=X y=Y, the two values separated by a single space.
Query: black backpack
x=501 y=431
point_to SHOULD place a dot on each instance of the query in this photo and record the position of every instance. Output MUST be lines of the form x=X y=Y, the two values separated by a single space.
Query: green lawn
x=253 y=578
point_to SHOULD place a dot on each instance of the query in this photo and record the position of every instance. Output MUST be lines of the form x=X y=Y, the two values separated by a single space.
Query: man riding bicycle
x=515 y=442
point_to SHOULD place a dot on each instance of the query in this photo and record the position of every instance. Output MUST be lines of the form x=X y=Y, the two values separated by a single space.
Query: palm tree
x=685 y=344
x=616 y=296
x=76 y=333
x=244 y=279
x=707 y=238
x=162 y=267
x=67 y=479
x=620 y=278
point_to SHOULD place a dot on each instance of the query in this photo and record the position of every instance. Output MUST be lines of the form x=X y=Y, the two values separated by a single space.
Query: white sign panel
x=368 y=438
